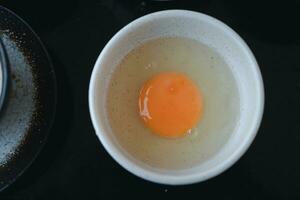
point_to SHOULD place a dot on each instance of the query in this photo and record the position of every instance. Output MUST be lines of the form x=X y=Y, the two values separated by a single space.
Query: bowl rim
x=4 y=67
x=173 y=179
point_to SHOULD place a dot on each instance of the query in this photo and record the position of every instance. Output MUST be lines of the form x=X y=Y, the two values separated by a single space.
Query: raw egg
x=170 y=104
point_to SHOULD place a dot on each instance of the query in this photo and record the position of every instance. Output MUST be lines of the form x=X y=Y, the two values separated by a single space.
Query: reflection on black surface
x=140 y=7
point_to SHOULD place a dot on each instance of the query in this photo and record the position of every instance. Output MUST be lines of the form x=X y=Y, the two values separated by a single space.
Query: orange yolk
x=170 y=104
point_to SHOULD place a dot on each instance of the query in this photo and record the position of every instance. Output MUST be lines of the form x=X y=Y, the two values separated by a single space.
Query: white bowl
x=214 y=34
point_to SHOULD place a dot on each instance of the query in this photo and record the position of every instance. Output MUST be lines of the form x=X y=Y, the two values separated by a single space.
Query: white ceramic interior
x=209 y=31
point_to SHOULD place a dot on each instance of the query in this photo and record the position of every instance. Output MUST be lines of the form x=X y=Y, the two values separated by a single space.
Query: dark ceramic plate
x=28 y=112
x=4 y=70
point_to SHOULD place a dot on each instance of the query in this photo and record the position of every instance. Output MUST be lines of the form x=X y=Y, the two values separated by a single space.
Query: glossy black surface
x=74 y=165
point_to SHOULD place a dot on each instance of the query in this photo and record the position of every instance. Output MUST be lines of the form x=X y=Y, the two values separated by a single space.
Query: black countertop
x=74 y=165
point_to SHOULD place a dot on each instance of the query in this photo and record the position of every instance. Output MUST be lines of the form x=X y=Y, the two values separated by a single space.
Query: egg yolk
x=170 y=104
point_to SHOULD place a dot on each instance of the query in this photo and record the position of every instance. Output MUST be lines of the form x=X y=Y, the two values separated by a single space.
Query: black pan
x=28 y=111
